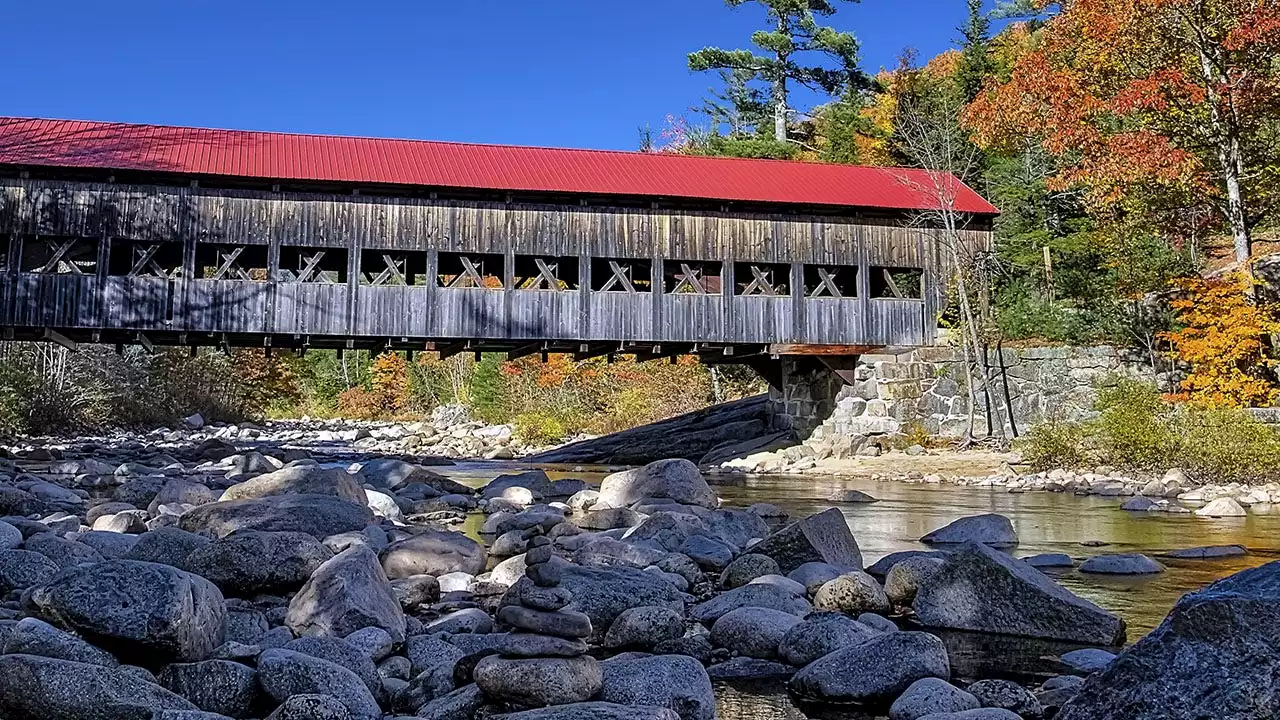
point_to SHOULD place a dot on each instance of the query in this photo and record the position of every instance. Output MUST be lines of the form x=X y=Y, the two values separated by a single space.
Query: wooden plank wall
x=197 y=217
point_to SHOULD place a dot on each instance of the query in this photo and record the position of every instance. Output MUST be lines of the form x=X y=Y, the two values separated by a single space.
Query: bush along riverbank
x=206 y=580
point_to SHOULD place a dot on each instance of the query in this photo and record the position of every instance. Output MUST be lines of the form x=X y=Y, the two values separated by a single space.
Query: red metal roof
x=328 y=158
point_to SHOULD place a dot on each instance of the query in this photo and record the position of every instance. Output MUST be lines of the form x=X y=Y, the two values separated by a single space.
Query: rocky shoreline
x=229 y=573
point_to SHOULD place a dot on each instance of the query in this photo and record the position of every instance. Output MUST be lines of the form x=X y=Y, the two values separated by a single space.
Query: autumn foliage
x=1223 y=341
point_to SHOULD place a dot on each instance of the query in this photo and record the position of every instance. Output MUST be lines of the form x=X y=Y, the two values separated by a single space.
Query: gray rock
x=1140 y=504
x=765 y=596
x=301 y=480
x=249 y=563
x=167 y=546
x=111 y=546
x=746 y=668
x=875 y=672
x=143 y=612
x=877 y=622
x=342 y=653
x=216 y=686
x=283 y=674
x=1087 y=660
x=852 y=593
x=346 y=593
x=609 y=519
x=604 y=593
x=991 y=529
x=372 y=642
x=851 y=497
x=644 y=627
x=560 y=623
x=985 y=590
x=10 y=536
x=1222 y=507
x=929 y=696
x=461 y=704
x=977 y=714
x=415 y=591
x=904 y=579
x=318 y=515
x=392 y=474
x=822 y=633
x=509 y=544
x=528 y=645
x=427 y=652
x=536 y=481
x=1126 y=564
x=542 y=598
x=677 y=480
x=824 y=537
x=434 y=552
x=63 y=552
x=746 y=568
x=710 y=554
x=593 y=711
x=1207 y=553
x=187 y=715
x=753 y=631
x=40 y=688
x=782 y=583
x=1007 y=695
x=881 y=567
x=675 y=682
x=467 y=620
x=21 y=569
x=31 y=636
x=814 y=575
x=1217 y=655
x=538 y=682
x=311 y=707
x=1050 y=560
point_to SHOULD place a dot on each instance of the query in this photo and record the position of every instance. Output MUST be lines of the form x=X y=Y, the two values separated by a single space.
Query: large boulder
x=21 y=569
x=347 y=593
x=535 y=481
x=144 y=613
x=592 y=711
x=676 y=682
x=931 y=696
x=822 y=633
x=216 y=686
x=990 y=529
x=539 y=681
x=41 y=688
x=603 y=593
x=284 y=673
x=853 y=593
x=251 y=562
x=318 y=515
x=875 y=672
x=824 y=538
x=32 y=636
x=753 y=631
x=390 y=474
x=755 y=595
x=167 y=546
x=676 y=480
x=1216 y=655
x=644 y=627
x=433 y=552
x=985 y=590
x=300 y=480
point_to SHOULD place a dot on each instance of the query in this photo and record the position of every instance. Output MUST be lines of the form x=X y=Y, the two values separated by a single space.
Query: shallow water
x=1045 y=522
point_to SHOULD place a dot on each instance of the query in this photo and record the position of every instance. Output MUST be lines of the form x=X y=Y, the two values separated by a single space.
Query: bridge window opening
x=471 y=270
x=393 y=268
x=313 y=265
x=45 y=255
x=833 y=281
x=135 y=258
x=556 y=274
x=762 y=279
x=621 y=275
x=687 y=277
x=897 y=283
x=232 y=262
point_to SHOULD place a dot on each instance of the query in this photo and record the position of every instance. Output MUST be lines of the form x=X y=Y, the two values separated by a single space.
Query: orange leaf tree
x=1164 y=105
x=1222 y=339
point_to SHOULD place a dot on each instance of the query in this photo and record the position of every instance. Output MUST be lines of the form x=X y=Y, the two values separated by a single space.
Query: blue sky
x=576 y=73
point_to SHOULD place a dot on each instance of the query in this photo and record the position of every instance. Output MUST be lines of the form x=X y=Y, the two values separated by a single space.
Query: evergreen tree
x=976 y=64
x=794 y=34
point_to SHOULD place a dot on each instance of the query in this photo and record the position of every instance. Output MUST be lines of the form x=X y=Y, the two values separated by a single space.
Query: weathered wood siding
x=200 y=219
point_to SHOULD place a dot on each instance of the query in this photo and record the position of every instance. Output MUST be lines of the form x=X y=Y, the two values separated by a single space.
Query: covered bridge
x=184 y=236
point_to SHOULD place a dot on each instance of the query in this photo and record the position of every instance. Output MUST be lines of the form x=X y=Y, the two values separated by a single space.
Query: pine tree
x=976 y=63
x=794 y=33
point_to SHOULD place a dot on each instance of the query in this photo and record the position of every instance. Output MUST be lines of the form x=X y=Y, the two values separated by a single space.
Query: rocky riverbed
x=214 y=573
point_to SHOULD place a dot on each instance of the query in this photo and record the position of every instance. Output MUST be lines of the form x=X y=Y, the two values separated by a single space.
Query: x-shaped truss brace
x=310 y=271
x=470 y=277
x=762 y=284
x=393 y=272
x=621 y=276
x=893 y=286
x=60 y=258
x=826 y=284
x=145 y=264
x=547 y=277
x=689 y=281
x=229 y=265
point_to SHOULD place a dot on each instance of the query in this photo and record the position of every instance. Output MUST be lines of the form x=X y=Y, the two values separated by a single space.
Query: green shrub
x=1054 y=445
x=1227 y=445
x=539 y=429
x=1135 y=427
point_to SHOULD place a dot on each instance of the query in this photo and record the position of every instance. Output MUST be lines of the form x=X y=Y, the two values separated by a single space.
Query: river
x=1045 y=522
